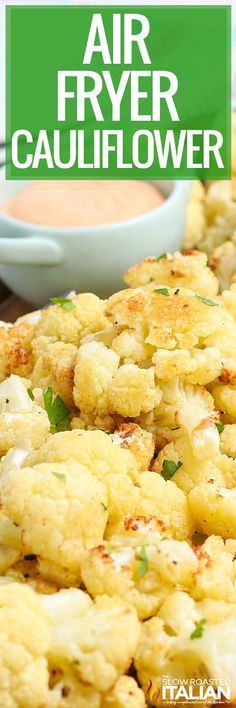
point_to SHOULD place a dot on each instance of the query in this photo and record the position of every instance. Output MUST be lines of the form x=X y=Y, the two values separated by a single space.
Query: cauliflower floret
x=214 y=509
x=133 y=391
x=168 y=319
x=140 y=565
x=100 y=386
x=95 y=367
x=187 y=639
x=140 y=442
x=192 y=409
x=54 y=366
x=216 y=572
x=228 y=298
x=24 y=641
x=61 y=509
x=125 y=694
x=195 y=366
x=98 y=639
x=92 y=448
x=195 y=218
x=225 y=399
x=188 y=471
x=20 y=418
x=15 y=349
x=228 y=440
x=188 y=270
x=223 y=262
x=167 y=502
x=69 y=326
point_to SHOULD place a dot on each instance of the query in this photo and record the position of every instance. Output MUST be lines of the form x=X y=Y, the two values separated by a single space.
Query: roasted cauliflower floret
x=61 y=509
x=215 y=576
x=186 y=639
x=186 y=270
x=21 y=420
x=125 y=694
x=228 y=440
x=54 y=366
x=225 y=399
x=97 y=639
x=168 y=320
x=84 y=317
x=101 y=386
x=191 y=409
x=140 y=442
x=15 y=349
x=195 y=218
x=196 y=366
x=93 y=449
x=167 y=502
x=223 y=262
x=139 y=564
x=214 y=509
x=25 y=641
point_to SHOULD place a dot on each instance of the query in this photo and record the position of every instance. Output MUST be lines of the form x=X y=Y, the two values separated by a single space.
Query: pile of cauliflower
x=118 y=490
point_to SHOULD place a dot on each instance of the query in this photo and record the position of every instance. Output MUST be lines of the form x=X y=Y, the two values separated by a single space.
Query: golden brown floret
x=185 y=270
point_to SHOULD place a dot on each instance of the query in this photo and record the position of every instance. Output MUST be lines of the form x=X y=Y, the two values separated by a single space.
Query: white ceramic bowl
x=37 y=262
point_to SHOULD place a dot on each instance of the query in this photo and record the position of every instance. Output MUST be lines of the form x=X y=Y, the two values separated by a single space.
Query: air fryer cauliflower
x=188 y=270
x=21 y=420
x=15 y=349
x=54 y=366
x=125 y=694
x=187 y=639
x=24 y=643
x=60 y=509
x=97 y=639
x=128 y=490
x=136 y=504
x=196 y=217
x=69 y=326
x=140 y=564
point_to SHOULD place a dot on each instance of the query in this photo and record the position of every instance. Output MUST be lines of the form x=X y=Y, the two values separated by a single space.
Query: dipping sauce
x=82 y=202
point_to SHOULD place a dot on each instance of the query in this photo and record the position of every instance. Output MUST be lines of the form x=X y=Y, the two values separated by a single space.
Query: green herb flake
x=199 y=629
x=206 y=301
x=104 y=506
x=60 y=476
x=30 y=393
x=57 y=411
x=169 y=468
x=162 y=291
x=163 y=255
x=65 y=302
x=220 y=427
x=143 y=565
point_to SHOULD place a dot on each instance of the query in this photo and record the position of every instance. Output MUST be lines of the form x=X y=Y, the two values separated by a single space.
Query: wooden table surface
x=12 y=306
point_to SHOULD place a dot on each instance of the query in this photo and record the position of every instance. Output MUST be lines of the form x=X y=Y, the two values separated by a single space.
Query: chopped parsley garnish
x=65 y=302
x=199 y=629
x=30 y=557
x=104 y=506
x=30 y=393
x=163 y=255
x=169 y=468
x=57 y=411
x=60 y=476
x=220 y=427
x=162 y=291
x=211 y=303
x=143 y=565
